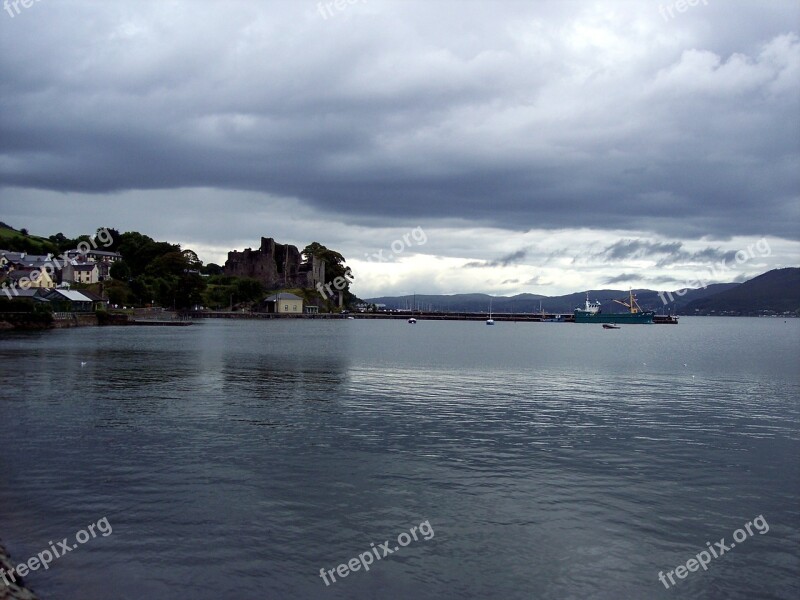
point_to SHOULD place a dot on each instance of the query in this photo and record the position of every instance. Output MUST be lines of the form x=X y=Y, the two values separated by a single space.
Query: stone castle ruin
x=276 y=266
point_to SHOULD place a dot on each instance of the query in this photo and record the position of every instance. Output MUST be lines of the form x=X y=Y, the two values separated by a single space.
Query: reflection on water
x=552 y=460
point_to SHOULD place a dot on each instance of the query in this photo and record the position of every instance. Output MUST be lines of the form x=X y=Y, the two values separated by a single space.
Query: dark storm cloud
x=706 y=255
x=504 y=261
x=517 y=115
x=670 y=253
x=624 y=277
x=627 y=249
x=537 y=280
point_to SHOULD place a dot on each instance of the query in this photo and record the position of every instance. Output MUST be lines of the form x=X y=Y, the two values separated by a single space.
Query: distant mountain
x=462 y=302
x=776 y=291
x=773 y=291
x=530 y=303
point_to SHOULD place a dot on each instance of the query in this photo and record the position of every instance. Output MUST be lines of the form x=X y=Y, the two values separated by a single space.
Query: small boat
x=610 y=326
x=412 y=321
x=490 y=320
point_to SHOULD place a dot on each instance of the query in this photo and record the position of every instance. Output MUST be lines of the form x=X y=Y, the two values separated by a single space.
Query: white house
x=77 y=272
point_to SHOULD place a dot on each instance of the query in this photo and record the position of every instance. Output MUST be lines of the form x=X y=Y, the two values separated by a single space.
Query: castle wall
x=276 y=266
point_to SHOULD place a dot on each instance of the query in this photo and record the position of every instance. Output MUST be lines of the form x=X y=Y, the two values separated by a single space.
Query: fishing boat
x=592 y=313
x=610 y=326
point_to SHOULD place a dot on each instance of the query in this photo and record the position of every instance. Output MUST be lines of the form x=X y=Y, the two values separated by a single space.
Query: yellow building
x=284 y=303
x=31 y=278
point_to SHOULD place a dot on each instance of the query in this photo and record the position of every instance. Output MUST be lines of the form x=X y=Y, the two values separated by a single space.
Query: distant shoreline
x=189 y=318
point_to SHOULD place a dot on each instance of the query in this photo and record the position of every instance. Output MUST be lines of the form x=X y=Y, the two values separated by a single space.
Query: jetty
x=406 y=314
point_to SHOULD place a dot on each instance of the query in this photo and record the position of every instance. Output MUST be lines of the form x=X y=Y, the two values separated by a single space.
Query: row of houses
x=23 y=270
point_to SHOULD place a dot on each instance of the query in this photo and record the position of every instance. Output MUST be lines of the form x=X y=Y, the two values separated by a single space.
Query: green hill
x=776 y=291
x=19 y=241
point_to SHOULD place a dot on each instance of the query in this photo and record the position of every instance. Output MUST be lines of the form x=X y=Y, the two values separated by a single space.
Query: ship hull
x=639 y=318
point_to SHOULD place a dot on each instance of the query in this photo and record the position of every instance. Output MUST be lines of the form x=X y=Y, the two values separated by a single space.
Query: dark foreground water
x=237 y=459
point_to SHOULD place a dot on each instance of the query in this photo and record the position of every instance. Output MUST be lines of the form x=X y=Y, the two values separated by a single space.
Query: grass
x=13 y=240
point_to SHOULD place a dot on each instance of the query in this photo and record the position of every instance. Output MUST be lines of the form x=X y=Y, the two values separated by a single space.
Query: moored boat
x=592 y=313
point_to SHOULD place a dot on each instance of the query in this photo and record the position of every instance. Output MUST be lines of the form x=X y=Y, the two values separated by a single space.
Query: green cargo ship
x=593 y=313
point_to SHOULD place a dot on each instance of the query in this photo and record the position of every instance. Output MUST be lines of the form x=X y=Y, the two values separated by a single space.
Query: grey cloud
x=622 y=278
x=504 y=261
x=388 y=112
x=627 y=249
x=537 y=280
x=705 y=256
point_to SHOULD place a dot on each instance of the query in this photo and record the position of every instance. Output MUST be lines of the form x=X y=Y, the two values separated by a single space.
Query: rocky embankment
x=14 y=591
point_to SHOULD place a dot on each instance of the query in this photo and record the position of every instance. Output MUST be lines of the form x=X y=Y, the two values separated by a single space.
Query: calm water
x=234 y=460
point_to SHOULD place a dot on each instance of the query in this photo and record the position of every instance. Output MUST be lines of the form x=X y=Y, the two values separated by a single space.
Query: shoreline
x=14 y=591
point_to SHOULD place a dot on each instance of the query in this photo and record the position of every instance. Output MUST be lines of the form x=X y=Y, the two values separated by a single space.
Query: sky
x=441 y=146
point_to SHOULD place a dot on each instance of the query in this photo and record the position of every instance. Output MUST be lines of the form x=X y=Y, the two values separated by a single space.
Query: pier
x=419 y=315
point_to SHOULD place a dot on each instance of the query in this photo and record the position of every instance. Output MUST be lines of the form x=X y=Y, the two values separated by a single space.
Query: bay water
x=236 y=459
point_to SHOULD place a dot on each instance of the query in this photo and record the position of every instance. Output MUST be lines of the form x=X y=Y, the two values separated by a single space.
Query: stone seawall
x=14 y=591
x=76 y=320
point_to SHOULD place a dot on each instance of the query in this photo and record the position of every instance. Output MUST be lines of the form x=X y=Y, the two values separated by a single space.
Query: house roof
x=84 y=266
x=92 y=296
x=70 y=295
x=284 y=296
x=20 y=273
x=32 y=293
